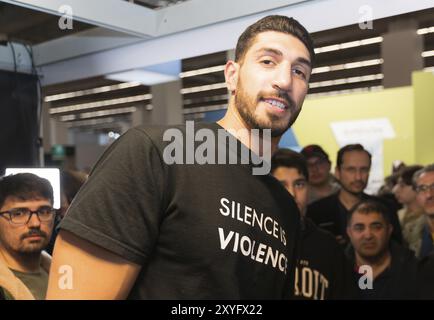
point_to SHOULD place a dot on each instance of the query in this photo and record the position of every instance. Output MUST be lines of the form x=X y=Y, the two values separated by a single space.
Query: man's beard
x=246 y=107
x=34 y=248
x=376 y=257
x=354 y=193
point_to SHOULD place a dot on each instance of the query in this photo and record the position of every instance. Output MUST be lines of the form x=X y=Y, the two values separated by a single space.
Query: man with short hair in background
x=383 y=268
x=423 y=183
x=321 y=181
x=322 y=271
x=26 y=224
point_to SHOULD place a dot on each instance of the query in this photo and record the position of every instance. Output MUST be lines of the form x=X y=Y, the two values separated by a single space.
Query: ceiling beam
x=314 y=15
x=116 y=15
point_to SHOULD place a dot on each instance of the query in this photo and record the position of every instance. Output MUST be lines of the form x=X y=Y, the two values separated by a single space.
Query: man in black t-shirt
x=322 y=271
x=383 y=269
x=163 y=216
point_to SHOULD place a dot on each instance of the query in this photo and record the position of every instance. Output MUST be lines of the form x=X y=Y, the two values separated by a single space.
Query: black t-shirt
x=208 y=231
x=398 y=281
x=426 y=278
x=323 y=272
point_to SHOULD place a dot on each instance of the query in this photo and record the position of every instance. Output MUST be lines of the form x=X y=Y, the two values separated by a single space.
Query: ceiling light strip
x=80 y=93
x=425 y=30
x=335 y=82
x=101 y=113
x=204 y=88
x=197 y=72
x=345 y=66
x=99 y=104
x=347 y=45
x=427 y=54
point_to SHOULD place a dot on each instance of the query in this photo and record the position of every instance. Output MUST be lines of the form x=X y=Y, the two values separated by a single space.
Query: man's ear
x=231 y=75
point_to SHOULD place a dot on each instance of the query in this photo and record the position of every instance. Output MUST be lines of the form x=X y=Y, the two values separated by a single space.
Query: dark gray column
x=401 y=50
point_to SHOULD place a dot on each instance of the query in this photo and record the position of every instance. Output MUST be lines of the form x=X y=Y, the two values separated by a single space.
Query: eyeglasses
x=424 y=188
x=22 y=216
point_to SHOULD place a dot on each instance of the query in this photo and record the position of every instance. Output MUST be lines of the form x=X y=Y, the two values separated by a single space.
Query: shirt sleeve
x=120 y=207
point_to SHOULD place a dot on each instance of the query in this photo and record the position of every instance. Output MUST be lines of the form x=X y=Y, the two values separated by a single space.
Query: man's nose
x=283 y=79
x=34 y=221
x=358 y=174
x=368 y=233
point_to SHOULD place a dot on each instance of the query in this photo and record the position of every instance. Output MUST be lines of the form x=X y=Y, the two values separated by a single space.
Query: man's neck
x=27 y=263
x=378 y=264
x=232 y=122
x=322 y=189
x=414 y=207
x=348 y=199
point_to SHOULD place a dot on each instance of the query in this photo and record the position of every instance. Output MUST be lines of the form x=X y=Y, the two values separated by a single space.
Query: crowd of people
x=140 y=227
x=387 y=241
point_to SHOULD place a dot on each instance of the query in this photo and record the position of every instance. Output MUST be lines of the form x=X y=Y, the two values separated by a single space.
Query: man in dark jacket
x=383 y=268
x=322 y=271
x=352 y=171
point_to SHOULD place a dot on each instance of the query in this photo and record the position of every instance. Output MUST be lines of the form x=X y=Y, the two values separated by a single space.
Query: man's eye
x=299 y=73
x=377 y=227
x=267 y=62
x=18 y=213
x=300 y=184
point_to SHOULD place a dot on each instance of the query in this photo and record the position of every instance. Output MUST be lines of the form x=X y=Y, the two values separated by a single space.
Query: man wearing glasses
x=321 y=182
x=423 y=183
x=26 y=224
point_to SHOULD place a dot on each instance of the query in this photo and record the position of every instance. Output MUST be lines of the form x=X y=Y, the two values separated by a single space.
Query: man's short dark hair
x=406 y=174
x=314 y=151
x=417 y=174
x=369 y=206
x=25 y=186
x=290 y=159
x=349 y=148
x=273 y=23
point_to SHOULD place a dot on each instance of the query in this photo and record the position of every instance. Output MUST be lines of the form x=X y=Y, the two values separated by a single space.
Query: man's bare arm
x=94 y=272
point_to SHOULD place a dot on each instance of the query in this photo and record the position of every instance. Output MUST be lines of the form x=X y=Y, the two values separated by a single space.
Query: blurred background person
x=321 y=182
x=322 y=271
x=26 y=223
x=423 y=182
x=411 y=215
